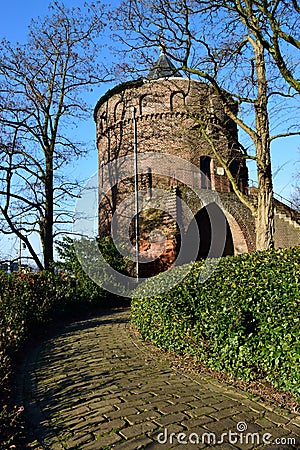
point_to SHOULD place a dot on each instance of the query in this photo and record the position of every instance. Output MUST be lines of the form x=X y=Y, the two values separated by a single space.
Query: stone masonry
x=169 y=112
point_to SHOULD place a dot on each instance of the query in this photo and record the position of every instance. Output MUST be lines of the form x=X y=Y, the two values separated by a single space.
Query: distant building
x=4 y=266
x=9 y=266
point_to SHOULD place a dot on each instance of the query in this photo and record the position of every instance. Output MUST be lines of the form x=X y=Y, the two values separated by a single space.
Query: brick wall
x=169 y=114
x=167 y=118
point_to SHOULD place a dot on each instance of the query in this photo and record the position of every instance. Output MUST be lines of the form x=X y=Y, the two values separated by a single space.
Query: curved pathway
x=95 y=385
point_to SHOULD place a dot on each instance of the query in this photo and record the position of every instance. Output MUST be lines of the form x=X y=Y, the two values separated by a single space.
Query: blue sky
x=14 y=20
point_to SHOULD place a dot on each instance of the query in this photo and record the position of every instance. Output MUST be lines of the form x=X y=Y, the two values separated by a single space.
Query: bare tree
x=222 y=43
x=279 y=35
x=295 y=197
x=41 y=99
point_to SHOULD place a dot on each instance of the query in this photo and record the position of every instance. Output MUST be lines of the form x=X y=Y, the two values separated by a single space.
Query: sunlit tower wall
x=170 y=112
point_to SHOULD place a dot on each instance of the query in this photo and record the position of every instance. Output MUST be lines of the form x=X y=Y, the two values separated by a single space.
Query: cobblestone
x=95 y=385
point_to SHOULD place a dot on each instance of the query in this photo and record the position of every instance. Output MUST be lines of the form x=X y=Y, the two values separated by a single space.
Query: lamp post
x=20 y=254
x=136 y=194
x=20 y=248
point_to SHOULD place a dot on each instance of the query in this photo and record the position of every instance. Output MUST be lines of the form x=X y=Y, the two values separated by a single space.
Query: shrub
x=243 y=320
x=28 y=303
x=93 y=266
x=25 y=302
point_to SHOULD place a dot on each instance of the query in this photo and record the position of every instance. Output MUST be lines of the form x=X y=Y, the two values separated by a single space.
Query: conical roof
x=163 y=68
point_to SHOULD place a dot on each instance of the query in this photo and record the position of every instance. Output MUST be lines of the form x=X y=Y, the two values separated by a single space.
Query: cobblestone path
x=95 y=385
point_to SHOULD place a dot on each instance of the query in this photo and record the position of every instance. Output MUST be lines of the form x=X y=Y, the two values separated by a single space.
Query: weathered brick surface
x=94 y=385
x=166 y=123
x=287 y=233
x=166 y=118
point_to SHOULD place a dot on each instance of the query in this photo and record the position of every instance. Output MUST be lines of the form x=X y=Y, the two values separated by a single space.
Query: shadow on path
x=95 y=385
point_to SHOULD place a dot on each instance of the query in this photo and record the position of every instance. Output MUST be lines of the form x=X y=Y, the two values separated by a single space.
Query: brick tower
x=169 y=112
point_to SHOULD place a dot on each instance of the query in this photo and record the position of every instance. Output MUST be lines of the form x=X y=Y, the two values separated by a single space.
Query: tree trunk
x=265 y=208
x=47 y=238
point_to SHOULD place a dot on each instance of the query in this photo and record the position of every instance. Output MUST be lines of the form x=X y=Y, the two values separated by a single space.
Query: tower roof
x=163 y=68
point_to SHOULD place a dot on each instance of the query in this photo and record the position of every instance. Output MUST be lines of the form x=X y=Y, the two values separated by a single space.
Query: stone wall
x=287 y=226
x=169 y=115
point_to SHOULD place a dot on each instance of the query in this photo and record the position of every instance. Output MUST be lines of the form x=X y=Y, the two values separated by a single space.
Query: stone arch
x=102 y=122
x=147 y=104
x=177 y=100
x=239 y=241
x=119 y=111
x=154 y=102
x=242 y=222
x=203 y=219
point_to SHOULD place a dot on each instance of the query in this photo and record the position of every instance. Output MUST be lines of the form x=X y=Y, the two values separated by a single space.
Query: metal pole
x=20 y=254
x=136 y=194
x=20 y=248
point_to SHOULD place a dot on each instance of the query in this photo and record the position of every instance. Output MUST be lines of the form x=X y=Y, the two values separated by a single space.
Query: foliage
x=111 y=254
x=71 y=268
x=90 y=267
x=243 y=320
x=29 y=302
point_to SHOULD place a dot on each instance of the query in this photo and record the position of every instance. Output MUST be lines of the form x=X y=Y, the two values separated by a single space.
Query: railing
x=280 y=198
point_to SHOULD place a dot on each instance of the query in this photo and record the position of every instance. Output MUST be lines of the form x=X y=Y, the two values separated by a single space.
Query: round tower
x=170 y=114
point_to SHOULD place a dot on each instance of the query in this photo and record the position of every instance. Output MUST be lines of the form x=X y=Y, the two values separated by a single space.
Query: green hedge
x=29 y=302
x=243 y=320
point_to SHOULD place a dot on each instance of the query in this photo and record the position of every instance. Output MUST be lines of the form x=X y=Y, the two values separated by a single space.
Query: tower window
x=205 y=163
